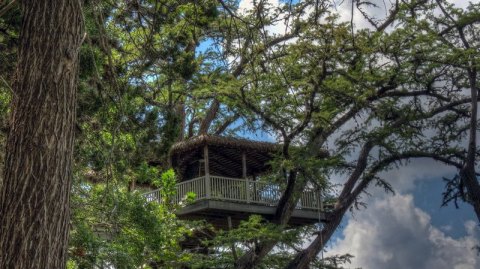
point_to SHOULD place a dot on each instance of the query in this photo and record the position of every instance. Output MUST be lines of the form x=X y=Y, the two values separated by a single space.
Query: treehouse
x=228 y=178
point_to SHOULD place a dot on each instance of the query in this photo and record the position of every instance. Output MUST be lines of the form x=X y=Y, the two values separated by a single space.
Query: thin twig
x=7 y=7
x=7 y=85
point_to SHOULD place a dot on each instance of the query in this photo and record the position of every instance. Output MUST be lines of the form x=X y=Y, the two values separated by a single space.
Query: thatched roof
x=222 y=141
x=225 y=155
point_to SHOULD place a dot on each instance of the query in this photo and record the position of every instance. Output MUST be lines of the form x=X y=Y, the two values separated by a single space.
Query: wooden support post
x=254 y=187
x=244 y=165
x=208 y=189
x=244 y=176
x=247 y=190
x=320 y=200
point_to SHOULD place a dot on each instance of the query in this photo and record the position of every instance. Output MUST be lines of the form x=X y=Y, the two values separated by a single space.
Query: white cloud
x=379 y=12
x=463 y=3
x=344 y=9
x=405 y=177
x=393 y=233
x=345 y=12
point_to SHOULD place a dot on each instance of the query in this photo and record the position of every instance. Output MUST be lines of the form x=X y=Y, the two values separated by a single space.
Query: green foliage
x=246 y=237
x=10 y=24
x=119 y=228
x=167 y=183
x=150 y=72
x=148 y=174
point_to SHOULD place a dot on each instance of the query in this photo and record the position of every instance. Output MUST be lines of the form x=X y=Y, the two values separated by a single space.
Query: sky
x=408 y=229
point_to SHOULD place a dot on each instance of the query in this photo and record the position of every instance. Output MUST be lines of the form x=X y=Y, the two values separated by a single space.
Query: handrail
x=236 y=190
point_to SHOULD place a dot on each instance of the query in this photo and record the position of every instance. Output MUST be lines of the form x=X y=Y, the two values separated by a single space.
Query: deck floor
x=217 y=212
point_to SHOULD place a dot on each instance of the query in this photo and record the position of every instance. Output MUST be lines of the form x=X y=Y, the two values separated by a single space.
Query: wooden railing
x=236 y=190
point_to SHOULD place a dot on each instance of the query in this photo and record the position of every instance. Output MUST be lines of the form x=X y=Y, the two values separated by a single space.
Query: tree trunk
x=209 y=117
x=472 y=186
x=34 y=199
x=251 y=259
x=284 y=211
x=303 y=259
x=468 y=173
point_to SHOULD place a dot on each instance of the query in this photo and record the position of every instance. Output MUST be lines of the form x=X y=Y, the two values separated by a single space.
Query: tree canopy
x=154 y=72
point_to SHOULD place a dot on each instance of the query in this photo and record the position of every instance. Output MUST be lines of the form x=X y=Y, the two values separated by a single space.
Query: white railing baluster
x=208 y=186
x=237 y=190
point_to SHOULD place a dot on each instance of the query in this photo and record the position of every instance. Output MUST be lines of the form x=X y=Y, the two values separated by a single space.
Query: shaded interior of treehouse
x=229 y=179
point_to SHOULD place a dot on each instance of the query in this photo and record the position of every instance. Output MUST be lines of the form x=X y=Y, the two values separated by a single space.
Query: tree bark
x=468 y=173
x=34 y=199
x=209 y=117
x=303 y=259
x=284 y=211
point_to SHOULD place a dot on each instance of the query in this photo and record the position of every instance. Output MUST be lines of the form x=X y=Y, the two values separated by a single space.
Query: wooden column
x=244 y=176
x=207 y=172
x=244 y=165
x=320 y=200
x=254 y=187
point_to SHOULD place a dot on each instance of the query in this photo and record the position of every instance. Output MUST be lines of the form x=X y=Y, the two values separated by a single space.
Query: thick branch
x=209 y=117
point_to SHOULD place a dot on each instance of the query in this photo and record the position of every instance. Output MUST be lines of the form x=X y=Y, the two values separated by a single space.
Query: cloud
x=378 y=13
x=344 y=9
x=462 y=3
x=405 y=177
x=393 y=233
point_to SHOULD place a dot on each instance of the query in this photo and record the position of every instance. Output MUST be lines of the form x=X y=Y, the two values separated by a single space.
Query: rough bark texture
x=209 y=117
x=348 y=195
x=34 y=199
x=285 y=208
x=468 y=173
x=303 y=259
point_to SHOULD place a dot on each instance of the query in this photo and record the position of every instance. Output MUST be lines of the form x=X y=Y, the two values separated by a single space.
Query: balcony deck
x=217 y=198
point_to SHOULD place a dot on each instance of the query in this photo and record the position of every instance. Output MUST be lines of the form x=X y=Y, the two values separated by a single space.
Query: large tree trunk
x=468 y=173
x=34 y=199
x=303 y=259
x=284 y=211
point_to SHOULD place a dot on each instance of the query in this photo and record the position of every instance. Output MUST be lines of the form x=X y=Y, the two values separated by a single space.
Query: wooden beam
x=221 y=168
x=259 y=162
x=227 y=161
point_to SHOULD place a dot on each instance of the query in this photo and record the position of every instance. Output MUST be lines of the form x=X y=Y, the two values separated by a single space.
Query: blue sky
x=427 y=196
x=395 y=230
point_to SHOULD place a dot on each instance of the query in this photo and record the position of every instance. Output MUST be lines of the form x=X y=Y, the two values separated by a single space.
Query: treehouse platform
x=222 y=180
